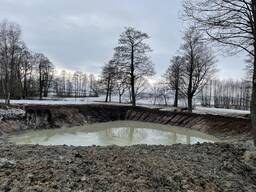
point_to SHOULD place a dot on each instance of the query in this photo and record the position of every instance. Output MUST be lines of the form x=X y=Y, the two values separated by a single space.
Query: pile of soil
x=177 y=168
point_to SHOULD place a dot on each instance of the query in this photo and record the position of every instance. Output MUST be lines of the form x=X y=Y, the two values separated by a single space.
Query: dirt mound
x=204 y=167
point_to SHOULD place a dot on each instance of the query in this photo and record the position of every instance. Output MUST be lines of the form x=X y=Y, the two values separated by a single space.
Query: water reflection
x=121 y=133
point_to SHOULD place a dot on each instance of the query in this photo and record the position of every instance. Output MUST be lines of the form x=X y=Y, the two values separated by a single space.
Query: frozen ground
x=216 y=111
x=57 y=101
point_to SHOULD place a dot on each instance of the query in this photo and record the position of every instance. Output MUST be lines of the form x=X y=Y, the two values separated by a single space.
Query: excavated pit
x=47 y=117
x=204 y=167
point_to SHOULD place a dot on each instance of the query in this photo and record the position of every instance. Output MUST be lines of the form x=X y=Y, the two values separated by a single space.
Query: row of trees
x=22 y=72
x=227 y=94
x=75 y=84
x=25 y=74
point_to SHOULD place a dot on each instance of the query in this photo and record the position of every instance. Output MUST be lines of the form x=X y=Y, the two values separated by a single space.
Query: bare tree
x=45 y=71
x=22 y=73
x=231 y=23
x=160 y=93
x=228 y=94
x=10 y=42
x=108 y=78
x=62 y=83
x=141 y=85
x=199 y=66
x=84 y=84
x=26 y=68
x=69 y=89
x=134 y=59
x=75 y=79
x=173 y=76
x=93 y=86
x=121 y=85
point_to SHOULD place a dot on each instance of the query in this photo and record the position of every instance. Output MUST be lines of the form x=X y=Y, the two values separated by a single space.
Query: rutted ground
x=205 y=167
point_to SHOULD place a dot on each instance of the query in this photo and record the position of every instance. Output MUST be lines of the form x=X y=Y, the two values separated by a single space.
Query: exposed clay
x=44 y=117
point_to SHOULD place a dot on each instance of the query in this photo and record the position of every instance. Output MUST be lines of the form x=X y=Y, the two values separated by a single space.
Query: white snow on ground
x=72 y=101
x=11 y=113
x=217 y=111
x=214 y=111
x=95 y=100
x=61 y=101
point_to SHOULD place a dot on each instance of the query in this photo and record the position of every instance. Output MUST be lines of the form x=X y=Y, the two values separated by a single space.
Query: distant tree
x=108 y=78
x=159 y=92
x=26 y=68
x=63 y=83
x=69 y=89
x=16 y=87
x=122 y=76
x=10 y=43
x=134 y=61
x=84 y=84
x=22 y=73
x=75 y=79
x=93 y=86
x=141 y=86
x=199 y=65
x=164 y=91
x=174 y=76
x=45 y=71
x=122 y=85
x=231 y=23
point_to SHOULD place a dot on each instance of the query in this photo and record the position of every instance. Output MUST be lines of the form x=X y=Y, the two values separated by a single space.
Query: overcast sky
x=81 y=34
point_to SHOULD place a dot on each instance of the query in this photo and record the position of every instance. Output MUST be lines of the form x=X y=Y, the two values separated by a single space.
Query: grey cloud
x=81 y=34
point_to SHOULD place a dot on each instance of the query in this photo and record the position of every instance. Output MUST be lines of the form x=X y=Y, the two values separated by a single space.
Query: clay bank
x=48 y=117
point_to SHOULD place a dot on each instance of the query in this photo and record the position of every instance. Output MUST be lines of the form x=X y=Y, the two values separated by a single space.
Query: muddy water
x=122 y=133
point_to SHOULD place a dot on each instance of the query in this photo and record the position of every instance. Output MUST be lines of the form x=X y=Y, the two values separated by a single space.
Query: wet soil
x=177 y=168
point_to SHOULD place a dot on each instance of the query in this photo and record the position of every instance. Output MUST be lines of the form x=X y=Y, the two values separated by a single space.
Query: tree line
x=22 y=72
x=231 y=25
x=26 y=74
x=228 y=94
x=188 y=73
x=76 y=84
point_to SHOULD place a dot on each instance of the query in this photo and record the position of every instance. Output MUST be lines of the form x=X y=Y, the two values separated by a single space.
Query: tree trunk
x=133 y=79
x=7 y=88
x=106 y=100
x=176 y=98
x=165 y=101
x=108 y=89
x=190 y=104
x=45 y=92
x=25 y=92
x=253 y=100
x=110 y=94
x=40 y=90
x=120 y=96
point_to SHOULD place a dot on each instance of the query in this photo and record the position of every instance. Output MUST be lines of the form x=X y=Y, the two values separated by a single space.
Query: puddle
x=122 y=133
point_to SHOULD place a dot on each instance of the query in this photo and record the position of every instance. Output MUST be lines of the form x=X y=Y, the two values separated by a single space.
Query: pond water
x=122 y=133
